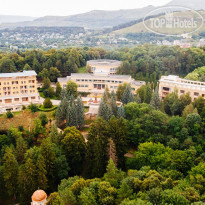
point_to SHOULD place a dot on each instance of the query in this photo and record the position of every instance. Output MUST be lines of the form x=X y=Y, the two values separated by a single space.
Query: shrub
x=33 y=108
x=21 y=128
x=47 y=103
x=44 y=119
x=23 y=107
x=9 y=114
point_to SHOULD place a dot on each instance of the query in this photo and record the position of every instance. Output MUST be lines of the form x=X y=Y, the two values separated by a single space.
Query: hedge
x=47 y=109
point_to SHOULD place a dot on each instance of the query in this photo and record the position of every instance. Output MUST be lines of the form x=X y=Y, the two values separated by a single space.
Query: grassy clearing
x=82 y=69
x=22 y=118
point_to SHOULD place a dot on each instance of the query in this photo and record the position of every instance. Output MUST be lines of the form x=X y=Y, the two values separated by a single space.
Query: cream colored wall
x=15 y=89
x=90 y=85
x=194 y=91
x=12 y=89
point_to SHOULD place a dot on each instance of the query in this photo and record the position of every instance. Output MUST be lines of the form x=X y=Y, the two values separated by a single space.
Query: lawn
x=23 y=118
x=82 y=69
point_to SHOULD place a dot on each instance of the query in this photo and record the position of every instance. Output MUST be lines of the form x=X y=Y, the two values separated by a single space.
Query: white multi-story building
x=17 y=89
x=96 y=83
x=168 y=84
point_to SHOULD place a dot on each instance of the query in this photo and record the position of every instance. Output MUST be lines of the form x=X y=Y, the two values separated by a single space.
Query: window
x=32 y=98
x=8 y=100
x=16 y=99
x=165 y=89
x=196 y=94
x=24 y=99
x=182 y=91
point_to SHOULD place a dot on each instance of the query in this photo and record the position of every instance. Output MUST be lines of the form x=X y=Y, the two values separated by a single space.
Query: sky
x=38 y=8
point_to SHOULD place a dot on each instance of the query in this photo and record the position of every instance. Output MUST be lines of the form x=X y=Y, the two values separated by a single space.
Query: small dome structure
x=39 y=197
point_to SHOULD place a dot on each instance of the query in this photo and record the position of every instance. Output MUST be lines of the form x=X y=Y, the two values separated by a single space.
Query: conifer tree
x=97 y=148
x=10 y=167
x=46 y=83
x=41 y=172
x=120 y=112
x=106 y=95
x=63 y=94
x=104 y=111
x=62 y=111
x=58 y=89
x=112 y=151
x=138 y=99
x=47 y=151
x=54 y=135
x=113 y=95
x=80 y=113
x=21 y=147
x=101 y=109
x=155 y=101
x=127 y=96
x=27 y=179
x=113 y=105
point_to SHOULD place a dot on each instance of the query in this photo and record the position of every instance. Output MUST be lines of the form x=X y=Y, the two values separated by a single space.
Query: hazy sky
x=68 y=7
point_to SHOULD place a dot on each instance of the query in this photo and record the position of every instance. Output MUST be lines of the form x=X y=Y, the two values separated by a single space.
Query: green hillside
x=139 y=27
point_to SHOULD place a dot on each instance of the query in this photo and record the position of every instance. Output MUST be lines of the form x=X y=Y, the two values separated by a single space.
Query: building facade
x=105 y=66
x=168 y=84
x=18 y=89
x=96 y=83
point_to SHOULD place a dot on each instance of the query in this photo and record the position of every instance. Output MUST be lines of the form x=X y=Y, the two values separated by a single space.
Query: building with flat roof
x=17 y=89
x=168 y=84
x=96 y=83
x=103 y=66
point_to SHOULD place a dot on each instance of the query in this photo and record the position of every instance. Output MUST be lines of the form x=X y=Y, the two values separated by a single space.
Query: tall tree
x=10 y=167
x=80 y=113
x=155 y=100
x=127 y=96
x=112 y=154
x=71 y=88
x=58 y=89
x=121 y=112
x=21 y=148
x=7 y=66
x=74 y=148
x=97 y=148
x=41 y=172
x=117 y=130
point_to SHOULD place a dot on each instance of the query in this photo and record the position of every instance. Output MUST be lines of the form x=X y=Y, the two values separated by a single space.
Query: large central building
x=96 y=83
x=102 y=74
x=168 y=84
x=17 y=89
x=103 y=66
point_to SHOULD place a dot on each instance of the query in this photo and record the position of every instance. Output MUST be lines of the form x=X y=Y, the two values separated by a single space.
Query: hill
x=97 y=18
x=139 y=26
x=15 y=19
x=92 y=19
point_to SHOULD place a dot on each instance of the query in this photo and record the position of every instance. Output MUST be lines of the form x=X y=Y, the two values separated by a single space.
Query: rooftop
x=94 y=76
x=177 y=80
x=18 y=74
x=104 y=62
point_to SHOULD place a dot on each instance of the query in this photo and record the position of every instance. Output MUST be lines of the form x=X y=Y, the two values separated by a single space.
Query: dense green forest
x=144 y=152
x=146 y=62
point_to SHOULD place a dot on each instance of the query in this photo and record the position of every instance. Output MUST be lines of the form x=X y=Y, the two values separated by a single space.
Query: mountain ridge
x=97 y=19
